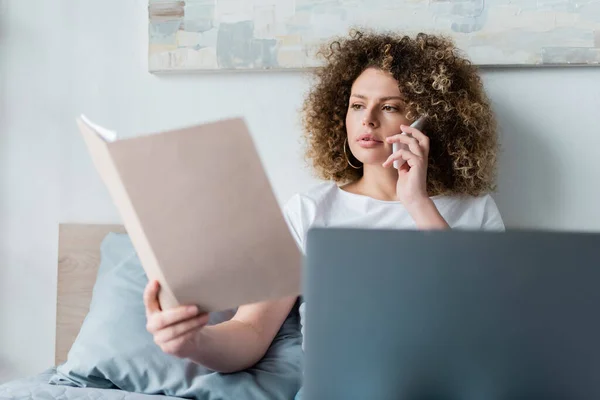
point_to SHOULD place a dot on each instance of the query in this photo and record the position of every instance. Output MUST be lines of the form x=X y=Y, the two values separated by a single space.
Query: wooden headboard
x=78 y=261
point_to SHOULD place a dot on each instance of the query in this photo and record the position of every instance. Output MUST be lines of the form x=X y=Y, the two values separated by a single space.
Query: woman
x=370 y=90
x=371 y=87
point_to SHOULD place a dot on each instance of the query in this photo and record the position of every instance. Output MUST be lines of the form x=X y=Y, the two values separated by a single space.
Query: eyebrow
x=360 y=96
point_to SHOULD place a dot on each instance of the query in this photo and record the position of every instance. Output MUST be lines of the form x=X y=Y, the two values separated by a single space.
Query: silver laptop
x=451 y=315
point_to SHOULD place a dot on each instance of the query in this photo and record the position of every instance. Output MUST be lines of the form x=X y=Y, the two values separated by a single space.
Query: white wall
x=62 y=58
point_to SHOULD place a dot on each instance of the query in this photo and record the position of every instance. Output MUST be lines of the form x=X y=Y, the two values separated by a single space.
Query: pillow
x=114 y=350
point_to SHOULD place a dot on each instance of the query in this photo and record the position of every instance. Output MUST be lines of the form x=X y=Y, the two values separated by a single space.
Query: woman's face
x=375 y=111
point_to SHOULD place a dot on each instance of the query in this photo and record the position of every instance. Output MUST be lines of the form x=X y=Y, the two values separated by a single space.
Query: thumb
x=151 y=298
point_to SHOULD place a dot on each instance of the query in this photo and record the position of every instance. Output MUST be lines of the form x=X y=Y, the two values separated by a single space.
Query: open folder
x=200 y=212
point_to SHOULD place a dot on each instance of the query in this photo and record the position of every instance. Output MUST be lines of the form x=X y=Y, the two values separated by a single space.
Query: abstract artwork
x=284 y=34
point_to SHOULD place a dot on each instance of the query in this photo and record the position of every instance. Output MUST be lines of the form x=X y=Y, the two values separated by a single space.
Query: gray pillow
x=114 y=350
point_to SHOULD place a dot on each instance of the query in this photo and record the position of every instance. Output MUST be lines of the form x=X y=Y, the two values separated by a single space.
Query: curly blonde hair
x=434 y=79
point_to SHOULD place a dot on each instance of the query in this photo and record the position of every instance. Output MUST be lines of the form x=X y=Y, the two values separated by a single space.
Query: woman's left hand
x=411 y=188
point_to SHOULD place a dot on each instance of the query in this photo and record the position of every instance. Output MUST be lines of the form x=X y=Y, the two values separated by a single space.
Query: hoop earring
x=347 y=158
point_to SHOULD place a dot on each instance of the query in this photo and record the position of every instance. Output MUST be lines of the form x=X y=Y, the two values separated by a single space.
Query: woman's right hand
x=175 y=330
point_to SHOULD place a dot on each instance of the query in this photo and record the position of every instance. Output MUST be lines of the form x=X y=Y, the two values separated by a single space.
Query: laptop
x=451 y=315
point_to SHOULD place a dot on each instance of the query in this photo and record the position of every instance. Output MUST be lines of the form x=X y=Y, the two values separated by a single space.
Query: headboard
x=78 y=261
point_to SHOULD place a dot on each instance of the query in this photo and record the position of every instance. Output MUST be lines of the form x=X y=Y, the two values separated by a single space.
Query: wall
x=62 y=58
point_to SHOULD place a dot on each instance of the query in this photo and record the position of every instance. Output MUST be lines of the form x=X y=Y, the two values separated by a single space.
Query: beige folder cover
x=201 y=214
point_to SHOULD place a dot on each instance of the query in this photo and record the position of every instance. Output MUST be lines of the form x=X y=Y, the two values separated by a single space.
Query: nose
x=370 y=119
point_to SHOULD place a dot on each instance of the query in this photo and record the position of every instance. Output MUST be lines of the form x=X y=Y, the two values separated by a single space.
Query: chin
x=371 y=157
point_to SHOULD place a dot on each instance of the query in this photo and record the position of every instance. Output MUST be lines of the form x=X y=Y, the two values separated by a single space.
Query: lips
x=368 y=141
x=368 y=138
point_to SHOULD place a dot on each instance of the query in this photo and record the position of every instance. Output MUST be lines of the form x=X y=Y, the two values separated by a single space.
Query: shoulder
x=312 y=198
x=471 y=212
x=302 y=209
x=479 y=202
x=492 y=220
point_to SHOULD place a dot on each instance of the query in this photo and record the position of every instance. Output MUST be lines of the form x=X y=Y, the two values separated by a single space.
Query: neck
x=378 y=182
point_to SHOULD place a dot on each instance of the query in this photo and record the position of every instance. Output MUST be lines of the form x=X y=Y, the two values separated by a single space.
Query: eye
x=356 y=106
x=390 y=108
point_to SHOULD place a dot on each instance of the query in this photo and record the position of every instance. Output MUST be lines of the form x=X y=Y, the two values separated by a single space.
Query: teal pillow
x=114 y=349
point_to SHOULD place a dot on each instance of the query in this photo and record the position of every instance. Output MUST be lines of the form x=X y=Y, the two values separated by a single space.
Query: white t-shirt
x=326 y=205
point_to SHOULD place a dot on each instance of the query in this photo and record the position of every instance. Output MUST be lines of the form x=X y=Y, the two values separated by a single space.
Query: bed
x=109 y=347
x=78 y=261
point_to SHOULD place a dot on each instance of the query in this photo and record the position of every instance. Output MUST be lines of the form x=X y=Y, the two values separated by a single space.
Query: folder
x=200 y=212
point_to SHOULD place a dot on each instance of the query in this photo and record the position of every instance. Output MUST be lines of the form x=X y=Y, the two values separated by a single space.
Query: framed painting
x=284 y=34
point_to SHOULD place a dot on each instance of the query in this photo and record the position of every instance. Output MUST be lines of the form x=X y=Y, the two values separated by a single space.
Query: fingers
x=172 y=328
x=161 y=320
x=176 y=346
x=151 y=298
x=412 y=143
x=406 y=155
x=417 y=141
x=174 y=331
x=417 y=134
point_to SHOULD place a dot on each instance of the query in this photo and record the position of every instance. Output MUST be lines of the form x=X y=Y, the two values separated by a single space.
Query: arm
x=242 y=341
x=427 y=216
x=227 y=347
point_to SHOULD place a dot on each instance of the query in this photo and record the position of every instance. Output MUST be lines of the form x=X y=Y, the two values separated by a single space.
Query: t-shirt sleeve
x=293 y=218
x=492 y=220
